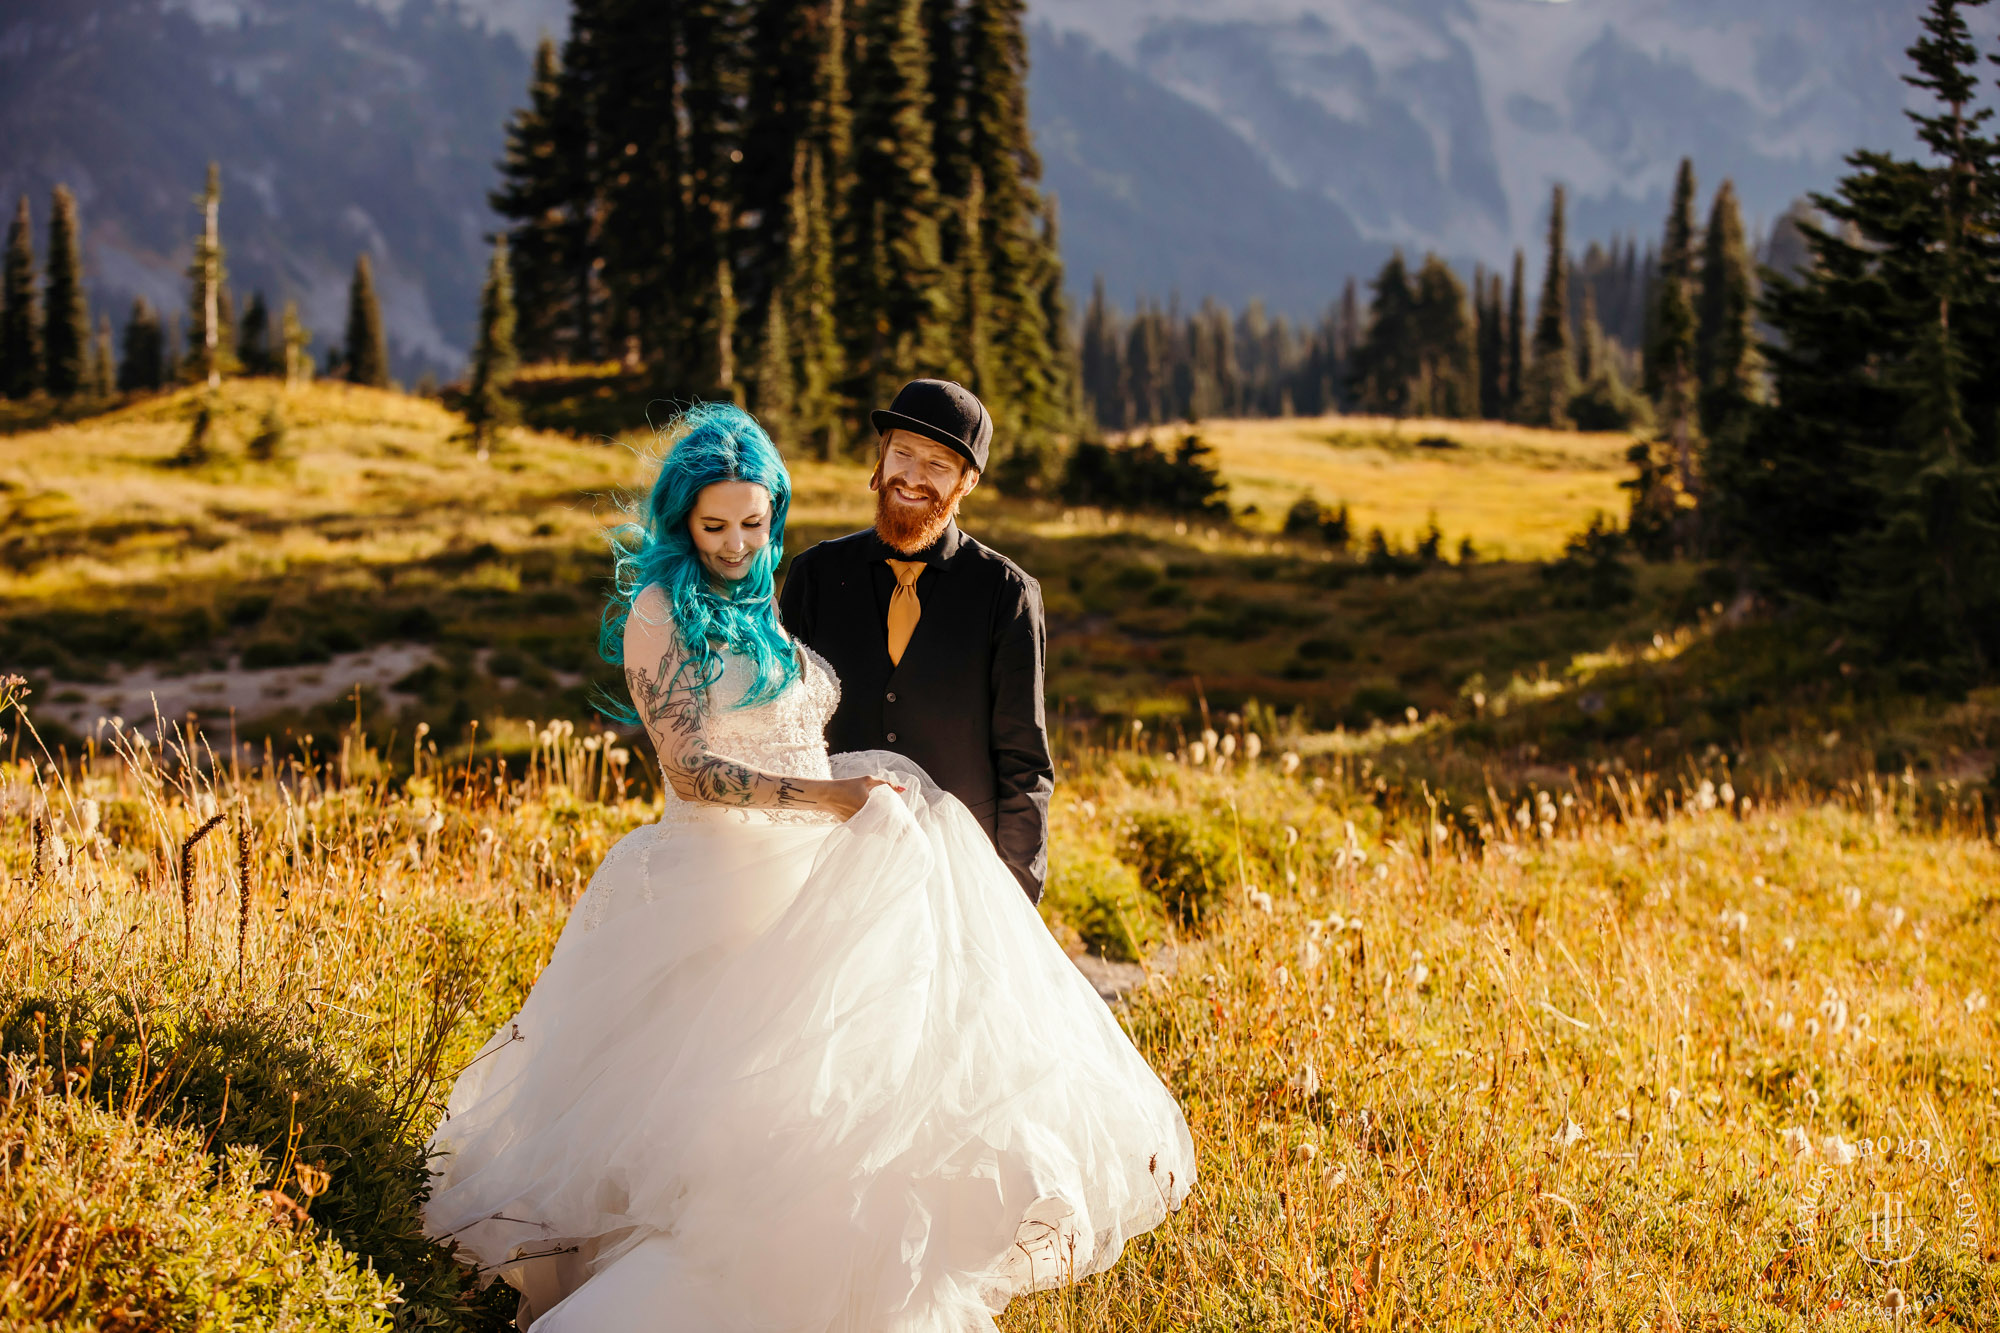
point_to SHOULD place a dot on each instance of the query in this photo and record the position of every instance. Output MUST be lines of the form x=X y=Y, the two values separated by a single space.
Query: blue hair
x=715 y=442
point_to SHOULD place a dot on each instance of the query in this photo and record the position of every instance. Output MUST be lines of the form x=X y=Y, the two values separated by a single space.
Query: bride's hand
x=847 y=795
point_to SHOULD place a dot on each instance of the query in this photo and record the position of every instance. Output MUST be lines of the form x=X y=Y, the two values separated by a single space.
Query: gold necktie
x=904 y=608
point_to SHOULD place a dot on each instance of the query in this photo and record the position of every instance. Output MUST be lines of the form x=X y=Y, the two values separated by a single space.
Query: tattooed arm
x=676 y=718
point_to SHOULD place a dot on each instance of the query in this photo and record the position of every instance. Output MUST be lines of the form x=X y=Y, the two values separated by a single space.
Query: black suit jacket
x=965 y=702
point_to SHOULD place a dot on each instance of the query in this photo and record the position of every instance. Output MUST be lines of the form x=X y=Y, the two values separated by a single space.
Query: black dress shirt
x=966 y=700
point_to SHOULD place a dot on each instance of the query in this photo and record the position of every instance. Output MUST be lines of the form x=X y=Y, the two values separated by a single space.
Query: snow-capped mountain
x=1232 y=148
x=1442 y=124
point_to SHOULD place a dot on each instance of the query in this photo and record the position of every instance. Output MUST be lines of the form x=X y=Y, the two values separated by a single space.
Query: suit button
x=892 y=696
x=891 y=738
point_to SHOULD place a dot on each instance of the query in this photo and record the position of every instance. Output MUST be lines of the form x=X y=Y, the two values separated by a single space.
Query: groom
x=937 y=640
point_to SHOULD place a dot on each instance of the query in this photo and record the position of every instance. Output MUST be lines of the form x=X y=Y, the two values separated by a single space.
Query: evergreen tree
x=20 y=311
x=1146 y=371
x=1726 y=361
x=1103 y=357
x=1670 y=346
x=1517 y=338
x=794 y=144
x=1447 y=355
x=1383 y=372
x=141 y=370
x=894 y=289
x=488 y=406
x=1017 y=259
x=253 y=338
x=547 y=194
x=1551 y=375
x=366 y=355
x=209 y=354
x=66 y=335
x=294 y=338
x=700 y=349
x=103 y=361
x=1872 y=482
x=1492 y=335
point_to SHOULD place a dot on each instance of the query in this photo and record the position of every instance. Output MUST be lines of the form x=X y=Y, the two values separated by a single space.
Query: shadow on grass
x=255 y=1077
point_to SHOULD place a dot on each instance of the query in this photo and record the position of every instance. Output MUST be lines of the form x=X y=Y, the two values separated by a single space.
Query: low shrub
x=1183 y=860
x=1099 y=897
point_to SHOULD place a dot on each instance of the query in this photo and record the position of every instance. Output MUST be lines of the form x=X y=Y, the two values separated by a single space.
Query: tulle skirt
x=805 y=1077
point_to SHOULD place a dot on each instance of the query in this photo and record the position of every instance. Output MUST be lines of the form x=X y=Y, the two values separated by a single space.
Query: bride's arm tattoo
x=676 y=720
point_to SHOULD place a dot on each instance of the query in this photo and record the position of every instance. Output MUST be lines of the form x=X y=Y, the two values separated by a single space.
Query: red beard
x=910 y=528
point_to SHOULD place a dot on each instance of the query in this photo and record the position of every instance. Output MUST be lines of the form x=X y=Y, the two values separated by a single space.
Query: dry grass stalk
x=187 y=880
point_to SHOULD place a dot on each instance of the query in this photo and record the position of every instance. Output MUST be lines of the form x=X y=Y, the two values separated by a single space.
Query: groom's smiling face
x=918 y=484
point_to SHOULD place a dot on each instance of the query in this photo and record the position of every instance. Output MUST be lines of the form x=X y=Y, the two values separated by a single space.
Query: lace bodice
x=786 y=736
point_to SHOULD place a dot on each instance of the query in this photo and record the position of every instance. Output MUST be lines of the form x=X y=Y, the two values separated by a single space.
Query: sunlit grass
x=1517 y=492
x=1534 y=1069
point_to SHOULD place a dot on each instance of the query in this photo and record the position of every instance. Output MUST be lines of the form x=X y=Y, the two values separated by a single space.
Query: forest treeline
x=48 y=349
x=795 y=204
x=1422 y=342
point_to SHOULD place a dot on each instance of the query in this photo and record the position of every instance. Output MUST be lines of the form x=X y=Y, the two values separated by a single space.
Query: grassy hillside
x=1577 y=1066
x=1526 y=939
x=1517 y=492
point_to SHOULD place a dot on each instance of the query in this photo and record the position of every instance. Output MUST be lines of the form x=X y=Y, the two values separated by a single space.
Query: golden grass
x=1517 y=492
x=1541 y=1078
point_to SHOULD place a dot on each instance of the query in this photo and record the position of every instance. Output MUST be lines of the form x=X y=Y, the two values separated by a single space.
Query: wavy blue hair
x=713 y=442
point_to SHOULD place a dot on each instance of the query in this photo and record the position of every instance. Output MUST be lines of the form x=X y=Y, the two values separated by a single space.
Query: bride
x=804 y=1059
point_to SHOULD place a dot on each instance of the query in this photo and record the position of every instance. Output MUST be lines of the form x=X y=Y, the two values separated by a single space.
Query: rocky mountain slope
x=1233 y=148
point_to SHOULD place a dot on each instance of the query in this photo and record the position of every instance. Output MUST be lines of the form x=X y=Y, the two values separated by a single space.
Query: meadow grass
x=1514 y=491
x=373 y=523
x=1499 y=918
x=1573 y=1066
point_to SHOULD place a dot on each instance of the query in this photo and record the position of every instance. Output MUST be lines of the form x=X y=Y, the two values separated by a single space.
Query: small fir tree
x=103 y=361
x=1517 y=338
x=142 y=368
x=66 y=336
x=295 y=338
x=488 y=406
x=1670 y=346
x=366 y=353
x=1551 y=375
x=20 y=311
x=253 y=338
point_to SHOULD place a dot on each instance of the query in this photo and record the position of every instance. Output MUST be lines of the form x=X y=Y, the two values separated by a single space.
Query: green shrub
x=123 y=1224
x=1183 y=860
x=1099 y=897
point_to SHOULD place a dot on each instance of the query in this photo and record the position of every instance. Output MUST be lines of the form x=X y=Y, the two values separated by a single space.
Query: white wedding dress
x=793 y=1075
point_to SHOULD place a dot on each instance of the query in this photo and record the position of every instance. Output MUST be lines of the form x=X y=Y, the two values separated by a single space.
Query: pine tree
x=1551 y=375
x=209 y=354
x=546 y=192
x=1726 y=361
x=294 y=338
x=66 y=335
x=1447 y=382
x=701 y=346
x=141 y=370
x=103 y=361
x=1103 y=359
x=488 y=405
x=893 y=290
x=1017 y=260
x=253 y=338
x=1882 y=444
x=1517 y=338
x=1670 y=345
x=366 y=347
x=1384 y=369
x=20 y=311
